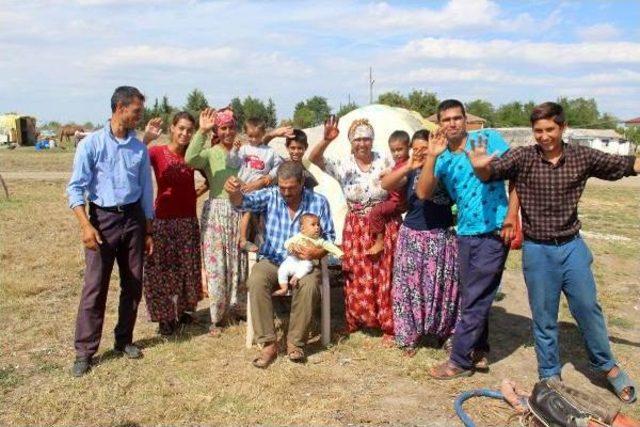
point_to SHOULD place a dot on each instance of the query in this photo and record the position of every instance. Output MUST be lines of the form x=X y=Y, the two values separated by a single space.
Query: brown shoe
x=296 y=354
x=267 y=356
x=448 y=371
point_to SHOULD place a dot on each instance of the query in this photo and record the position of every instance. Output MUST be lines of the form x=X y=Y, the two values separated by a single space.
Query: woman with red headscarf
x=224 y=264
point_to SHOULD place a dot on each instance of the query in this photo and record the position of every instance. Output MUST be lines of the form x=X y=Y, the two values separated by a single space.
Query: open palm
x=478 y=154
x=207 y=119
x=437 y=143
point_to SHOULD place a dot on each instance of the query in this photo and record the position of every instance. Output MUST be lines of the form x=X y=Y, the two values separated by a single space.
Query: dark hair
x=124 y=95
x=420 y=134
x=290 y=169
x=448 y=104
x=400 y=136
x=298 y=136
x=255 y=123
x=182 y=115
x=548 y=110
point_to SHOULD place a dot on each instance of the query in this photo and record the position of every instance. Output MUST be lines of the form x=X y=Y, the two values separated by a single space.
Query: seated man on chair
x=283 y=206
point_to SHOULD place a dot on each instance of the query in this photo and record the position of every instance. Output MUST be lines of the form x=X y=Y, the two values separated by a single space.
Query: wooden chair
x=325 y=312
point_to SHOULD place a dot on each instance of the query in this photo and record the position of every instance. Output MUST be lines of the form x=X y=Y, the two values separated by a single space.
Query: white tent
x=384 y=119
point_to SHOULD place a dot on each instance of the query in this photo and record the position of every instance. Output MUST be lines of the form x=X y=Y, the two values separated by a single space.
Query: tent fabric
x=384 y=120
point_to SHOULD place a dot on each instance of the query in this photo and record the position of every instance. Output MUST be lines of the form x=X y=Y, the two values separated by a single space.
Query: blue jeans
x=481 y=260
x=548 y=271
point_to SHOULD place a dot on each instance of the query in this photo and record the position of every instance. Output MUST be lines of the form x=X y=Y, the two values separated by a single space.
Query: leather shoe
x=81 y=366
x=129 y=350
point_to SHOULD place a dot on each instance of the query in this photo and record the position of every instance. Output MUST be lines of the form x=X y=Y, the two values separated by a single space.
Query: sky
x=61 y=59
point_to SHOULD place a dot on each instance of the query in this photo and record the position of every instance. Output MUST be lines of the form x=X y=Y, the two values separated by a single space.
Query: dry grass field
x=195 y=379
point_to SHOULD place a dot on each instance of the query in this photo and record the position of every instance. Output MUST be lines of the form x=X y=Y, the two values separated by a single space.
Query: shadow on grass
x=509 y=331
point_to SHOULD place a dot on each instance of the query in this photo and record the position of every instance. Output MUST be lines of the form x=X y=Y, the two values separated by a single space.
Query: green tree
x=393 y=99
x=254 y=108
x=196 y=102
x=425 y=103
x=346 y=108
x=303 y=117
x=482 y=108
x=632 y=134
x=311 y=112
x=511 y=114
x=580 y=112
x=272 y=116
x=238 y=112
x=88 y=126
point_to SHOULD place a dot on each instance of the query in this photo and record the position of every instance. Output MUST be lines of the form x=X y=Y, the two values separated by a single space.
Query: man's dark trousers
x=122 y=241
x=481 y=261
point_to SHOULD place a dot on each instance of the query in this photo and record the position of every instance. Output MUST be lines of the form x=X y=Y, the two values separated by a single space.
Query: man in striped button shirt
x=282 y=206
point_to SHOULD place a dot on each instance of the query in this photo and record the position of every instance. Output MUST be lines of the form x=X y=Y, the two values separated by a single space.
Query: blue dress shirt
x=111 y=172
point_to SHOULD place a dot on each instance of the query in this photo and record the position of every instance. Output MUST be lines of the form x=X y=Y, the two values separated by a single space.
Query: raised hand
x=437 y=143
x=417 y=157
x=331 y=130
x=283 y=132
x=152 y=130
x=237 y=144
x=207 y=119
x=478 y=154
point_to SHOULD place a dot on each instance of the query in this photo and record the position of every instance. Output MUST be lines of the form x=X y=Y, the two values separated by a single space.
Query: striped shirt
x=279 y=226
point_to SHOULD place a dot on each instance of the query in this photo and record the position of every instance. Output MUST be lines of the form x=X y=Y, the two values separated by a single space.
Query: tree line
x=313 y=111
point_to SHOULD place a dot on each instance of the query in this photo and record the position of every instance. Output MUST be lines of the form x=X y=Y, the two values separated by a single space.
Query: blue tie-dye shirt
x=482 y=206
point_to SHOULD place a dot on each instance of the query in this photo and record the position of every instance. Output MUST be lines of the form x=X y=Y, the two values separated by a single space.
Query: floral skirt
x=367 y=286
x=224 y=264
x=425 y=285
x=172 y=281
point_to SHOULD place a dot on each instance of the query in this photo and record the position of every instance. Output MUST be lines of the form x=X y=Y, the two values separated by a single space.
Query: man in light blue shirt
x=484 y=231
x=111 y=172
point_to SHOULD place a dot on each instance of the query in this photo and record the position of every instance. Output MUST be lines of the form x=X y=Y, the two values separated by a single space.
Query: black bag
x=556 y=405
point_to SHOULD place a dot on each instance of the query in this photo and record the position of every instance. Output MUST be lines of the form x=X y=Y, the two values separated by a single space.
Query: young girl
x=396 y=202
x=258 y=164
x=172 y=281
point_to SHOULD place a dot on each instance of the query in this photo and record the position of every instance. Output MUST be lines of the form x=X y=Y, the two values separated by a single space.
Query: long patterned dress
x=224 y=264
x=367 y=279
x=172 y=273
x=425 y=273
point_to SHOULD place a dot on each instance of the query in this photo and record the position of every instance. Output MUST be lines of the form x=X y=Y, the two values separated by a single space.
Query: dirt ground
x=195 y=379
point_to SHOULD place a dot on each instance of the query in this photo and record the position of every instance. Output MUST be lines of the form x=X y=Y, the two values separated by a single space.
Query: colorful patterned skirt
x=224 y=264
x=425 y=285
x=367 y=286
x=172 y=281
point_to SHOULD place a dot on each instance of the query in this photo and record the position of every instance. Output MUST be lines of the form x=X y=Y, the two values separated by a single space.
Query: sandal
x=295 y=354
x=621 y=383
x=267 y=356
x=448 y=371
x=249 y=247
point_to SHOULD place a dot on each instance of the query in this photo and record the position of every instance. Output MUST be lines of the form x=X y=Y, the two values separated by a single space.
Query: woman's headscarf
x=360 y=128
x=224 y=117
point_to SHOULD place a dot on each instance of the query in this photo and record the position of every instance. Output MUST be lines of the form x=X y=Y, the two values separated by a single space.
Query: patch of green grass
x=620 y=322
x=9 y=377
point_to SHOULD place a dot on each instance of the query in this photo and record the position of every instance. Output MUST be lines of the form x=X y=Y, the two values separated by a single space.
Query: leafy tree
x=393 y=99
x=425 y=103
x=580 y=112
x=238 y=112
x=272 y=117
x=482 y=108
x=608 y=121
x=161 y=109
x=303 y=117
x=196 y=102
x=311 y=112
x=254 y=108
x=346 y=108
x=511 y=114
x=88 y=126
x=632 y=134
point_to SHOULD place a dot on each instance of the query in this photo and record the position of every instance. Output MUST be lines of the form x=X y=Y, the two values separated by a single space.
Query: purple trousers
x=481 y=262
x=122 y=241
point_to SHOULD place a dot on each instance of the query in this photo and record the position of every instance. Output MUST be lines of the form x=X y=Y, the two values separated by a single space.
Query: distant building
x=473 y=122
x=607 y=140
x=632 y=123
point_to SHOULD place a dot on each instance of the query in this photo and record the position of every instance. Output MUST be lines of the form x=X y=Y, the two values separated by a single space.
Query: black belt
x=557 y=241
x=117 y=209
